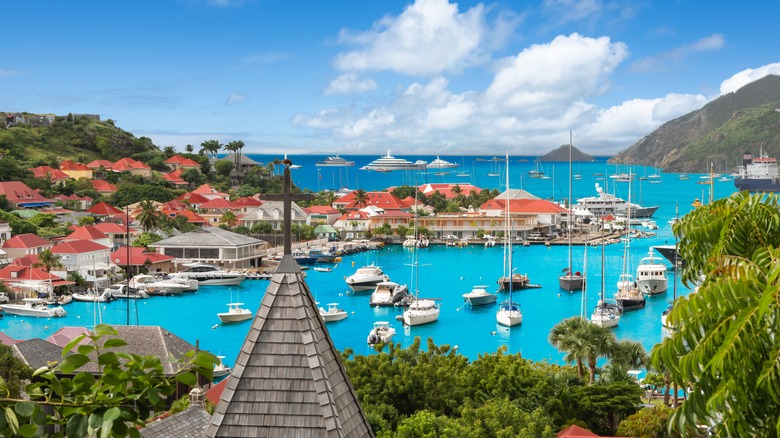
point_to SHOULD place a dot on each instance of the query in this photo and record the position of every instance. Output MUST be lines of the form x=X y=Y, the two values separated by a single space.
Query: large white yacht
x=366 y=278
x=651 y=275
x=389 y=163
x=438 y=163
x=210 y=275
x=607 y=203
x=335 y=161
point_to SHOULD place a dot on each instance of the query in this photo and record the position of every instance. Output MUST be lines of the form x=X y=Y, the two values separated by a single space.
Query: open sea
x=444 y=272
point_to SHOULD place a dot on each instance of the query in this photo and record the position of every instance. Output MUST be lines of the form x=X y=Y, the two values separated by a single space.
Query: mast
x=509 y=232
x=569 y=205
x=584 y=302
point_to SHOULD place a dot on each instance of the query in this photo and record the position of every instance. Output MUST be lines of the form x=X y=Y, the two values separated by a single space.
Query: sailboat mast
x=584 y=302
x=570 y=227
x=508 y=231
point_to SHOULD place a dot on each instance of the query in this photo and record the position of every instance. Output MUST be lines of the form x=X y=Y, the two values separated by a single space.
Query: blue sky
x=364 y=77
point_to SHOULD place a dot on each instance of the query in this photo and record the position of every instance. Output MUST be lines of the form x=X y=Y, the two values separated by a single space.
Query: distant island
x=562 y=154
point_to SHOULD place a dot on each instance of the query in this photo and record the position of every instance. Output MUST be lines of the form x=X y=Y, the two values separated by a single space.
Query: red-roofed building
x=56 y=176
x=448 y=190
x=384 y=200
x=102 y=186
x=194 y=199
x=248 y=202
x=102 y=209
x=575 y=431
x=132 y=166
x=25 y=244
x=213 y=209
x=141 y=258
x=30 y=279
x=20 y=196
x=174 y=205
x=191 y=216
x=83 y=202
x=117 y=232
x=174 y=178
x=322 y=214
x=97 y=164
x=88 y=232
x=353 y=224
x=210 y=192
x=76 y=170
x=88 y=258
x=177 y=162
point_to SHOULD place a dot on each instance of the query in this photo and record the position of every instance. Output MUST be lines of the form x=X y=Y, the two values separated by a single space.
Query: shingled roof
x=288 y=379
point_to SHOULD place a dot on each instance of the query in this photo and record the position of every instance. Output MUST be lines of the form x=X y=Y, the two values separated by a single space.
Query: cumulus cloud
x=663 y=61
x=428 y=38
x=747 y=76
x=349 y=83
x=235 y=98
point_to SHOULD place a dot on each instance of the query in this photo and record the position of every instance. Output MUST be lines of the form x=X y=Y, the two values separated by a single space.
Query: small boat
x=382 y=332
x=321 y=269
x=235 y=313
x=388 y=293
x=366 y=278
x=333 y=313
x=119 y=291
x=93 y=296
x=220 y=369
x=651 y=275
x=159 y=286
x=509 y=313
x=479 y=296
x=210 y=275
x=33 y=307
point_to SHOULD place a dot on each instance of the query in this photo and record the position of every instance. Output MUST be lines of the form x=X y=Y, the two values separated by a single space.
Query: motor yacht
x=651 y=275
x=235 y=313
x=388 y=293
x=388 y=163
x=335 y=161
x=438 y=163
x=36 y=307
x=366 y=278
x=607 y=203
x=479 y=296
x=421 y=311
x=333 y=313
x=160 y=286
x=210 y=275
x=382 y=332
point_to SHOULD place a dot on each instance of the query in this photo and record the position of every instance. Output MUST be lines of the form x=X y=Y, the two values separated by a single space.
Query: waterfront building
x=215 y=246
x=25 y=244
x=272 y=212
x=22 y=276
x=384 y=200
x=87 y=258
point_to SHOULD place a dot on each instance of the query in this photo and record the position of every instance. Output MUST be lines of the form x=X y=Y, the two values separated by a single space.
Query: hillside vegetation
x=76 y=138
x=720 y=132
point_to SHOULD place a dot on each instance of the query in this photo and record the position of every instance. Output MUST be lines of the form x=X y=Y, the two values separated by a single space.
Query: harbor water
x=444 y=272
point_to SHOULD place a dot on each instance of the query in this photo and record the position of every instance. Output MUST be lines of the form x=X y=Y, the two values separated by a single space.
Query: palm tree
x=598 y=341
x=148 y=217
x=235 y=147
x=48 y=260
x=631 y=354
x=211 y=148
x=360 y=197
x=565 y=337
x=229 y=219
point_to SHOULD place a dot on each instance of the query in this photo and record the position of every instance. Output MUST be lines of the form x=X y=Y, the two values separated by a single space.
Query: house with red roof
x=117 y=232
x=20 y=196
x=384 y=200
x=527 y=214
x=133 y=166
x=210 y=192
x=82 y=202
x=353 y=224
x=88 y=232
x=76 y=170
x=322 y=214
x=56 y=176
x=27 y=278
x=174 y=178
x=449 y=191
x=103 y=187
x=89 y=259
x=191 y=216
x=248 y=202
x=98 y=164
x=177 y=162
x=193 y=199
x=213 y=209
x=25 y=244
x=138 y=258
x=103 y=209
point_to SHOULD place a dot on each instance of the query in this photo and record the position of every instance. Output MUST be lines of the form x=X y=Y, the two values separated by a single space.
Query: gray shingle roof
x=288 y=379
x=190 y=423
x=36 y=352
x=207 y=236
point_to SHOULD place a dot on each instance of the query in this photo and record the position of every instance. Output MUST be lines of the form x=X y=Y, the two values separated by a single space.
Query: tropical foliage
x=726 y=349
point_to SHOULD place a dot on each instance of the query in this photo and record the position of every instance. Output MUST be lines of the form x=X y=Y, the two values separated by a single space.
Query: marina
x=446 y=272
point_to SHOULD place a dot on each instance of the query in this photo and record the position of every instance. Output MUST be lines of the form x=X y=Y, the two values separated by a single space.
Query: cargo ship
x=757 y=174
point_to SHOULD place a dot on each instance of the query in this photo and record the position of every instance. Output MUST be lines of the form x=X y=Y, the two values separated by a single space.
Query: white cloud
x=350 y=83
x=235 y=98
x=428 y=38
x=747 y=76
x=663 y=61
x=6 y=72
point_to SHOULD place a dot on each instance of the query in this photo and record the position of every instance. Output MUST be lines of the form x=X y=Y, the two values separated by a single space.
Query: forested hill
x=720 y=132
x=562 y=154
x=78 y=138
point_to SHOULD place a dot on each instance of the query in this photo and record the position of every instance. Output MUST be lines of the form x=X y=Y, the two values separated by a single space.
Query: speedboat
x=220 y=369
x=333 y=313
x=388 y=293
x=389 y=163
x=235 y=313
x=651 y=275
x=382 y=332
x=33 y=307
x=421 y=311
x=335 y=161
x=210 y=275
x=509 y=314
x=120 y=291
x=366 y=278
x=160 y=286
x=321 y=269
x=438 y=163
x=94 y=296
x=479 y=296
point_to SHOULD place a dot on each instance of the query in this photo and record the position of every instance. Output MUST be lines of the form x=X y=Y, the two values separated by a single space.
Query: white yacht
x=33 y=307
x=607 y=203
x=438 y=163
x=606 y=314
x=651 y=275
x=382 y=332
x=210 y=275
x=421 y=311
x=235 y=313
x=366 y=278
x=479 y=296
x=94 y=296
x=333 y=313
x=388 y=293
x=389 y=163
x=220 y=369
x=335 y=161
x=509 y=314
x=159 y=286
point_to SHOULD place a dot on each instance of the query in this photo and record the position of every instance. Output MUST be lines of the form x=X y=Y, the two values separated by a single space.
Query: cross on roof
x=287 y=197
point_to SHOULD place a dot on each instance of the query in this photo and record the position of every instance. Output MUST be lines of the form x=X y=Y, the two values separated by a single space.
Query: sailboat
x=420 y=310
x=569 y=280
x=605 y=314
x=676 y=263
x=628 y=294
x=463 y=172
x=509 y=313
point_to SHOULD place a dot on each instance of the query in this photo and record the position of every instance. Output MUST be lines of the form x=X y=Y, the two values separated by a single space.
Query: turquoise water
x=445 y=272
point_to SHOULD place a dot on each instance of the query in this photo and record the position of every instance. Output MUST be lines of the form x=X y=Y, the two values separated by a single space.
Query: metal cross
x=287 y=197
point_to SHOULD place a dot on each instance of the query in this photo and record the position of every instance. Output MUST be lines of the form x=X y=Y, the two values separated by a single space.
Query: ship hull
x=757 y=184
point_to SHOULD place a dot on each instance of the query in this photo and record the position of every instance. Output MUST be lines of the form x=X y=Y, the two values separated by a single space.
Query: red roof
x=248 y=201
x=97 y=163
x=64 y=335
x=174 y=178
x=77 y=247
x=182 y=161
x=49 y=172
x=112 y=228
x=191 y=216
x=174 y=205
x=220 y=203
x=209 y=191
x=88 y=232
x=7 y=340
x=383 y=200
x=103 y=186
x=26 y=241
x=321 y=209
x=354 y=216
x=215 y=392
x=446 y=189
x=25 y=273
x=103 y=209
x=193 y=198
x=70 y=165
x=138 y=256
x=528 y=206
x=128 y=164
x=17 y=192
